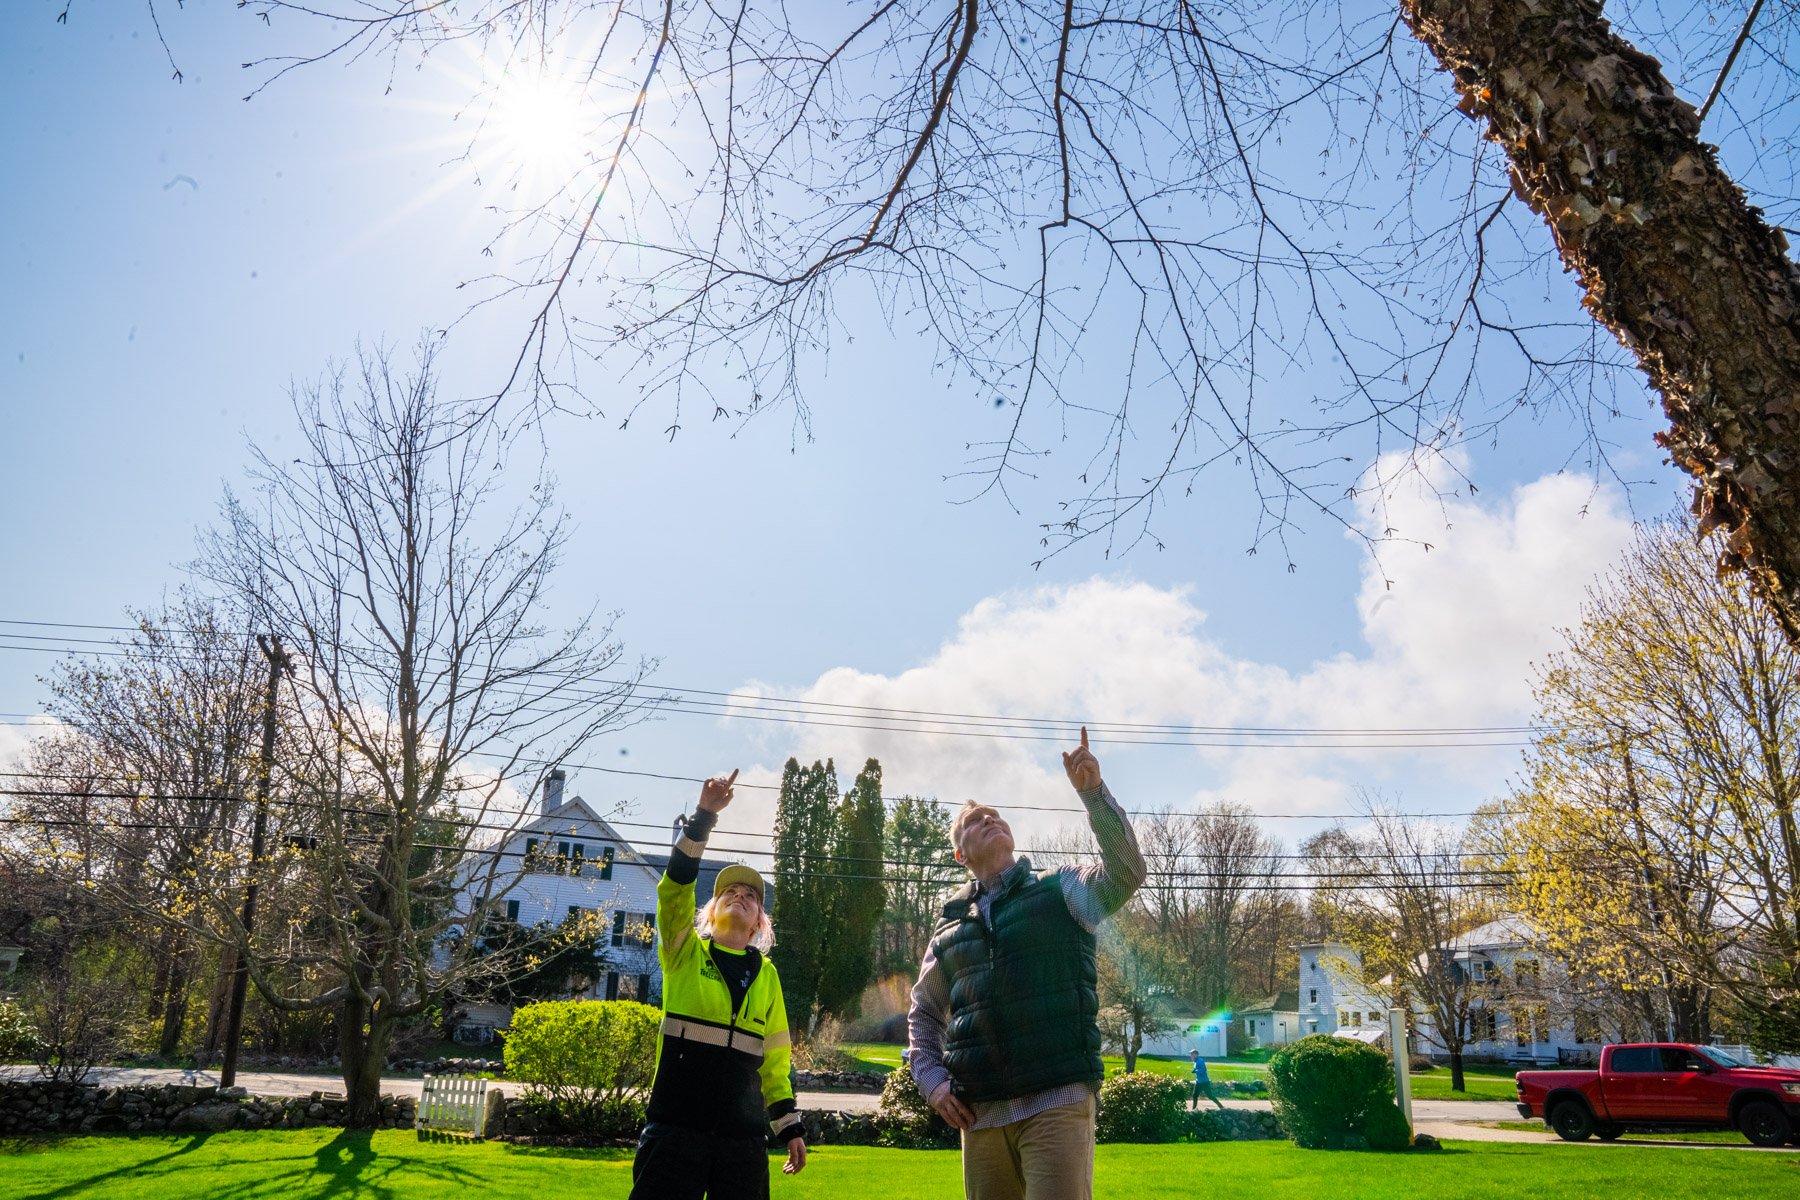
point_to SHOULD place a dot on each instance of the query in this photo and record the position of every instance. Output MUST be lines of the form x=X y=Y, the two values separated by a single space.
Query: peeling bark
x=1670 y=255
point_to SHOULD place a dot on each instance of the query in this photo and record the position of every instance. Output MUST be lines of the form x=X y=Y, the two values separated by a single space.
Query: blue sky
x=174 y=257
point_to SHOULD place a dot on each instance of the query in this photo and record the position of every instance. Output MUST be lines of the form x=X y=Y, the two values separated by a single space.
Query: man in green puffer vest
x=1004 y=1042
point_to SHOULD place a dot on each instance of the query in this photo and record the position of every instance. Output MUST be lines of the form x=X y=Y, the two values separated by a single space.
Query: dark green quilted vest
x=1023 y=996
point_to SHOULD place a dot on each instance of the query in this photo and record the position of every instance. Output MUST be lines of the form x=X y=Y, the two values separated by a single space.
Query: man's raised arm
x=1098 y=890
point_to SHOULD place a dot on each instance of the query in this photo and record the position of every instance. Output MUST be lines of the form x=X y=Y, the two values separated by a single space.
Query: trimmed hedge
x=589 y=1063
x=906 y=1119
x=1142 y=1107
x=1385 y=1128
x=1323 y=1089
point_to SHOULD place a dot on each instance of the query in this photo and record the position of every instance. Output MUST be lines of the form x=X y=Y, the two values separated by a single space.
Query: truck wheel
x=1764 y=1124
x=1608 y=1132
x=1572 y=1121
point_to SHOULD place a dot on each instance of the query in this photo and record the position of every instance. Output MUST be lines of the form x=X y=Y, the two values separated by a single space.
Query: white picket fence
x=453 y=1104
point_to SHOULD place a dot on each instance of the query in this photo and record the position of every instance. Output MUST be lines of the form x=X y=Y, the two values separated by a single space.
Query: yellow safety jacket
x=717 y=1071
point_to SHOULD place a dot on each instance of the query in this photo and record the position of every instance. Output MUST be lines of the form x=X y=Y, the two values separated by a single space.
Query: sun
x=538 y=131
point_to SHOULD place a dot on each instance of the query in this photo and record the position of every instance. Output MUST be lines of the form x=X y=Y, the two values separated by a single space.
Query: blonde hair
x=763 y=939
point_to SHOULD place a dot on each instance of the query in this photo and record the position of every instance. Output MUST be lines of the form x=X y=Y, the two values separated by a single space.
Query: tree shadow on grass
x=349 y=1168
x=90 y=1185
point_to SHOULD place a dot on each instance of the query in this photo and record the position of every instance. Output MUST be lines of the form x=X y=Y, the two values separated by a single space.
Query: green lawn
x=1482 y=1081
x=1716 y=1137
x=882 y=1057
x=397 y=1166
x=1218 y=1070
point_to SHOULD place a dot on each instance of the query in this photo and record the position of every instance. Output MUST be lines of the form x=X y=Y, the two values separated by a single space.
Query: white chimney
x=553 y=789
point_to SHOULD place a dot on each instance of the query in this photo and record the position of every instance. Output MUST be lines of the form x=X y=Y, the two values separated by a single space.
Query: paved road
x=276 y=1083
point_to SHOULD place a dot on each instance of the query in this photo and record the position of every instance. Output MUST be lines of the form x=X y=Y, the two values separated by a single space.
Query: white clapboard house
x=568 y=860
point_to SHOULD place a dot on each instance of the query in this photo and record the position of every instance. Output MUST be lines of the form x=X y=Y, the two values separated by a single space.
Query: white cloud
x=1450 y=634
x=15 y=740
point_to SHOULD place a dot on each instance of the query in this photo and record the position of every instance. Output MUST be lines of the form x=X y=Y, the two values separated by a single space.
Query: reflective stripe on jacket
x=717 y=1071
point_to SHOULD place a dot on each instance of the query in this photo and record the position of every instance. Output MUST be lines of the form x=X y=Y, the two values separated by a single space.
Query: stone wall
x=38 y=1106
x=315 y=1064
x=838 y=1081
x=1233 y=1125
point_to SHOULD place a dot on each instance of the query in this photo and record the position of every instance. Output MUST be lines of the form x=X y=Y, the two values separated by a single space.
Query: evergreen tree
x=924 y=872
x=858 y=895
x=805 y=821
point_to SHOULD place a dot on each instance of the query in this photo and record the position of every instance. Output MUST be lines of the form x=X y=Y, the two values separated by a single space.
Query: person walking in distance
x=1002 y=1029
x=1202 y=1083
x=722 y=1059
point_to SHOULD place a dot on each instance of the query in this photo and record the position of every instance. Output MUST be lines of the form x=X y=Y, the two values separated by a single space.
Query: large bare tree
x=1171 y=237
x=407 y=572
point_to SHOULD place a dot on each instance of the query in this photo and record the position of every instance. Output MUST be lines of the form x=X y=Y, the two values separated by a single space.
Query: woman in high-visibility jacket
x=722 y=1081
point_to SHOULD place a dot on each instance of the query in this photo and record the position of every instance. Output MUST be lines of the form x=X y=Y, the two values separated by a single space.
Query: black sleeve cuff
x=784 y=1122
x=684 y=857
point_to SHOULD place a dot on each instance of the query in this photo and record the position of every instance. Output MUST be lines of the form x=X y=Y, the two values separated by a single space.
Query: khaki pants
x=1046 y=1157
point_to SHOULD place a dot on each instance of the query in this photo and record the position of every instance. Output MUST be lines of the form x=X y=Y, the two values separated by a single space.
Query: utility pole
x=240 y=976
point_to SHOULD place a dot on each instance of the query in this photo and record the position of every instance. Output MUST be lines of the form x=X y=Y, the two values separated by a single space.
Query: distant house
x=1332 y=994
x=1190 y=1031
x=1525 y=1007
x=1272 y=1022
x=568 y=861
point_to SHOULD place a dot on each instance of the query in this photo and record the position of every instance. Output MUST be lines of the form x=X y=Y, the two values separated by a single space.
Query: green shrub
x=1323 y=1088
x=1142 y=1107
x=906 y=1119
x=18 y=1037
x=587 y=1062
x=1385 y=1128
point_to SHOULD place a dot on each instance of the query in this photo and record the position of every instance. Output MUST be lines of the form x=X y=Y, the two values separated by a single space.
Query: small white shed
x=1205 y=1034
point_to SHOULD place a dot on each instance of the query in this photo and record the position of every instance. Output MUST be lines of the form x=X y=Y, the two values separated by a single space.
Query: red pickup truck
x=1665 y=1084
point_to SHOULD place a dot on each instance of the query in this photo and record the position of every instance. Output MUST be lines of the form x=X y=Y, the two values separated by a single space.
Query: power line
x=1421 y=859
x=769 y=787
x=738 y=705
